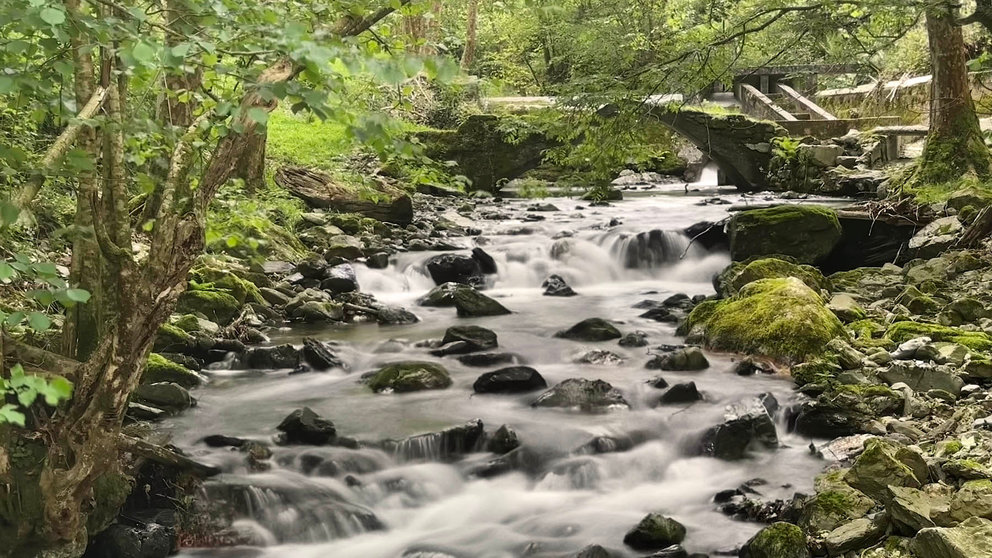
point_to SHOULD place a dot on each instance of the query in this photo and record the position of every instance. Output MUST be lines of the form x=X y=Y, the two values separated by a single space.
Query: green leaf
x=53 y=16
x=6 y=84
x=77 y=295
x=39 y=321
x=258 y=115
x=8 y=213
x=10 y=414
x=15 y=319
x=59 y=389
x=6 y=272
x=143 y=53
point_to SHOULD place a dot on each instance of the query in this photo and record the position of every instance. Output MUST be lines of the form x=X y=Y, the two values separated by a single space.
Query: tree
x=216 y=91
x=471 y=39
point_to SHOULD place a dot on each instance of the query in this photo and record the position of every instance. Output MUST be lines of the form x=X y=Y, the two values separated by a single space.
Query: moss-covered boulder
x=739 y=274
x=160 y=369
x=778 y=540
x=172 y=339
x=409 y=376
x=470 y=303
x=970 y=539
x=218 y=306
x=653 y=532
x=591 y=329
x=805 y=232
x=901 y=332
x=846 y=308
x=884 y=464
x=779 y=318
x=834 y=504
x=917 y=302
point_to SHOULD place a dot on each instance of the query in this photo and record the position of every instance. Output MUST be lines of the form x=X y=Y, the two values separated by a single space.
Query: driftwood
x=383 y=202
x=161 y=454
x=979 y=230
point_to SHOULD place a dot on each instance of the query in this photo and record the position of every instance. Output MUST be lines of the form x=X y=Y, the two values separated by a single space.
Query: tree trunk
x=251 y=165
x=955 y=146
x=471 y=28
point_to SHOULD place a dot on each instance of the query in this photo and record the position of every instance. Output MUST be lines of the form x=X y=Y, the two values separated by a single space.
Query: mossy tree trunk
x=955 y=146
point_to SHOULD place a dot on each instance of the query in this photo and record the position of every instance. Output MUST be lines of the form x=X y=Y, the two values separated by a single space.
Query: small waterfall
x=439 y=446
x=648 y=250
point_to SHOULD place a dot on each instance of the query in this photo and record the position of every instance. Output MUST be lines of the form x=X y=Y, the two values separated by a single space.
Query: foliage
x=28 y=388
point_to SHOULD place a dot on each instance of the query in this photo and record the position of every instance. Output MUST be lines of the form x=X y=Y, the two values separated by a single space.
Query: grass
x=307 y=140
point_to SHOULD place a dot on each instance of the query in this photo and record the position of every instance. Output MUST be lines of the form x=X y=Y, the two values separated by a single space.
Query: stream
x=416 y=501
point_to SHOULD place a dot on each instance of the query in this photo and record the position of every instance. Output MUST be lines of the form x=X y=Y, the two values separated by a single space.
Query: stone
x=974 y=499
x=681 y=393
x=634 y=339
x=746 y=424
x=470 y=303
x=441 y=295
x=860 y=533
x=822 y=156
x=971 y=539
x=591 y=329
x=486 y=262
x=379 y=260
x=313 y=268
x=600 y=358
x=340 y=279
x=683 y=359
x=807 y=233
x=513 y=379
x=394 y=315
x=778 y=540
x=489 y=359
x=964 y=310
x=164 y=395
x=655 y=531
x=922 y=377
x=846 y=308
x=916 y=301
x=319 y=355
x=304 y=426
x=271 y=358
x=834 y=504
x=407 y=376
x=595 y=551
x=910 y=509
x=738 y=274
x=468 y=339
x=274 y=297
x=586 y=395
x=344 y=246
x=217 y=306
x=146 y=540
x=161 y=369
x=935 y=238
x=313 y=311
x=504 y=440
x=779 y=318
x=454 y=268
x=884 y=464
x=555 y=285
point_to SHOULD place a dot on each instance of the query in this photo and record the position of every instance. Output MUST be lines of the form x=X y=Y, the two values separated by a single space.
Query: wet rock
x=164 y=395
x=586 y=395
x=860 y=533
x=600 y=358
x=340 y=279
x=379 y=260
x=408 y=376
x=319 y=355
x=595 y=551
x=313 y=268
x=303 y=426
x=909 y=508
x=271 y=358
x=467 y=339
x=834 y=504
x=483 y=360
x=222 y=441
x=688 y=358
x=394 y=315
x=486 y=262
x=634 y=339
x=674 y=551
x=514 y=379
x=446 y=445
x=165 y=368
x=150 y=540
x=746 y=424
x=778 y=540
x=805 y=232
x=344 y=246
x=681 y=393
x=663 y=315
x=273 y=296
x=749 y=367
x=936 y=238
x=591 y=329
x=504 y=440
x=555 y=285
x=970 y=539
x=612 y=444
x=655 y=531
x=453 y=268
x=658 y=382
x=884 y=464
x=471 y=303
x=441 y=295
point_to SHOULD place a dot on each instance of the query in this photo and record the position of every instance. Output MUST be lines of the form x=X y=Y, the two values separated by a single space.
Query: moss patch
x=217 y=306
x=160 y=369
x=900 y=332
x=770 y=268
x=410 y=376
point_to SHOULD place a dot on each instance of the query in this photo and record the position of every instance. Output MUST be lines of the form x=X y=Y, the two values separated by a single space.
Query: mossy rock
x=242 y=290
x=218 y=306
x=110 y=490
x=160 y=369
x=409 y=376
x=917 y=302
x=779 y=318
x=778 y=540
x=816 y=371
x=834 y=504
x=900 y=332
x=866 y=282
x=770 y=268
x=172 y=339
x=655 y=531
x=805 y=232
x=884 y=464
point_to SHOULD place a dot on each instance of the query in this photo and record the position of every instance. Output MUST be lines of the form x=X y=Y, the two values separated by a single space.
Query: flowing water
x=416 y=499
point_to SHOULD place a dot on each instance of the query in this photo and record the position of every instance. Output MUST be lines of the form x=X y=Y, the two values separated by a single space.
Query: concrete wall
x=908 y=99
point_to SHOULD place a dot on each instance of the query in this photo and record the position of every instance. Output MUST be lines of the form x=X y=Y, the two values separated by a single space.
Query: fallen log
x=380 y=201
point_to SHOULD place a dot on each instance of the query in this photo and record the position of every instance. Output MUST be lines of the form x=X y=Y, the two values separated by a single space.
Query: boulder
x=447 y=445
x=160 y=369
x=591 y=329
x=468 y=339
x=164 y=395
x=394 y=315
x=681 y=393
x=971 y=539
x=922 y=376
x=454 y=268
x=845 y=307
x=489 y=359
x=936 y=238
x=217 y=306
x=779 y=318
x=733 y=279
x=834 y=504
x=555 y=285
x=146 y=540
x=340 y=279
x=654 y=532
x=682 y=359
x=441 y=295
x=470 y=303
x=909 y=508
x=319 y=355
x=313 y=267
x=319 y=190
x=271 y=358
x=409 y=376
x=503 y=441
x=807 y=233
x=486 y=262
x=586 y=395
x=344 y=246
x=884 y=464
x=303 y=426
x=860 y=533
x=778 y=540
x=974 y=499
x=600 y=358
x=917 y=302
x=634 y=339
x=513 y=379
x=746 y=424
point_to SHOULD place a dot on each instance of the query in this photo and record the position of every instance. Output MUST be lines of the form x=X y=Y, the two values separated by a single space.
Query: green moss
x=900 y=332
x=917 y=302
x=110 y=491
x=867 y=390
x=770 y=268
x=778 y=540
x=172 y=339
x=188 y=323
x=410 y=376
x=817 y=371
x=805 y=232
x=780 y=318
x=217 y=306
x=160 y=369
x=948 y=447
